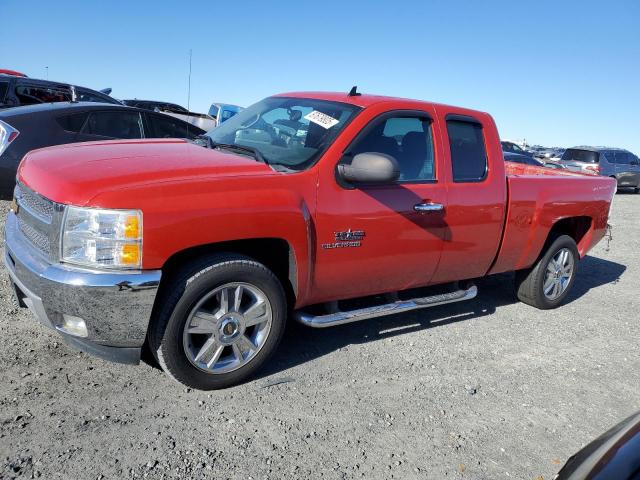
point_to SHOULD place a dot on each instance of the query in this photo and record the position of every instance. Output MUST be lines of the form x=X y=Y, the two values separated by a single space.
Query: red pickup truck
x=300 y=203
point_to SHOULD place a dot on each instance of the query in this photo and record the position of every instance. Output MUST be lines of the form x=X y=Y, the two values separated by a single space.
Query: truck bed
x=537 y=199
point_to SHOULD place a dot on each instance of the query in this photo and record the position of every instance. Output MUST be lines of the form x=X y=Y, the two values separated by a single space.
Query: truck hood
x=76 y=173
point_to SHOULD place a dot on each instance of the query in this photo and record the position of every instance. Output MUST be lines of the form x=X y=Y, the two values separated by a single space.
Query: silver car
x=617 y=163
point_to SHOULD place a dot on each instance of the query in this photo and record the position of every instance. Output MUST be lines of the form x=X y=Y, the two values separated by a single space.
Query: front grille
x=38 y=220
x=38 y=239
x=36 y=204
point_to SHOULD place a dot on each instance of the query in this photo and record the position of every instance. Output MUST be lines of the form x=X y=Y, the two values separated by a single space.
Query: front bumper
x=116 y=306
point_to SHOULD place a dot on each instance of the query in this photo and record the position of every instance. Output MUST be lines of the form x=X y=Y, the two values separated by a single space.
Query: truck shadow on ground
x=303 y=344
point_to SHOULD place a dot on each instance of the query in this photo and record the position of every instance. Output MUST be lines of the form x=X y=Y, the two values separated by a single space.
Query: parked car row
x=617 y=163
x=36 y=126
x=40 y=113
x=19 y=90
x=200 y=120
x=515 y=153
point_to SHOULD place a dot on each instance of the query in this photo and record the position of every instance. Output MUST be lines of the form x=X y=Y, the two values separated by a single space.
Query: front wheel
x=223 y=320
x=548 y=282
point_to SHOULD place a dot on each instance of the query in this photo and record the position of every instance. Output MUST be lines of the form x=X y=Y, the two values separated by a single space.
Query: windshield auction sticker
x=321 y=119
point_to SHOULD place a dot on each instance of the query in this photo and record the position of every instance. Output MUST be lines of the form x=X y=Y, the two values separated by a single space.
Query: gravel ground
x=483 y=390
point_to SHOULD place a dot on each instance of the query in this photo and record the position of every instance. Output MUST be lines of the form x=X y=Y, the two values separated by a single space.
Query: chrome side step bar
x=400 y=306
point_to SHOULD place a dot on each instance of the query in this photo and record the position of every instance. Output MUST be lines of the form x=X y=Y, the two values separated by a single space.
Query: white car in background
x=223 y=111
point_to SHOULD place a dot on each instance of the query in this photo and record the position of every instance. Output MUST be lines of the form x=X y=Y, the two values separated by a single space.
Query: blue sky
x=553 y=72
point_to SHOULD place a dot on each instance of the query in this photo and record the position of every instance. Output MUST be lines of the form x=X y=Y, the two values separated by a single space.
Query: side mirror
x=371 y=168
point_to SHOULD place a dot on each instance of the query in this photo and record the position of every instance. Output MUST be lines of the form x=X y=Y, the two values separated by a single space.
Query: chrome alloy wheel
x=558 y=274
x=227 y=328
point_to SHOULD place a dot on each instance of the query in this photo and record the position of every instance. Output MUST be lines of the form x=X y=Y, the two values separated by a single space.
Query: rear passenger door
x=476 y=197
x=110 y=125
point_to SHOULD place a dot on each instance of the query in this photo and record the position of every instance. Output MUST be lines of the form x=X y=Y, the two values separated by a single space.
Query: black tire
x=165 y=337
x=529 y=283
x=636 y=190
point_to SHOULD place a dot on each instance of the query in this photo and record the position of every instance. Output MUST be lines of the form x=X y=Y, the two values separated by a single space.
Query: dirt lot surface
x=483 y=390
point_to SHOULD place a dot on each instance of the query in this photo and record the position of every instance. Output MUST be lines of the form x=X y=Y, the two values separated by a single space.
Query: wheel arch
x=276 y=254
x=579 y=228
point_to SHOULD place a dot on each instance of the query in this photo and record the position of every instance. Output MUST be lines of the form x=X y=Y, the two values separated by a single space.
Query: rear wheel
x=223 y=320
x=548 y=282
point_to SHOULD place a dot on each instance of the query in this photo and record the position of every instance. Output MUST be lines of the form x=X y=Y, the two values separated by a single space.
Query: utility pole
x=47 y=70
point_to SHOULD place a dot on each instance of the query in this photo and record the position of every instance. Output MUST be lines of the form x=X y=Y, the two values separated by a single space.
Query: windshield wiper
x=254 y=152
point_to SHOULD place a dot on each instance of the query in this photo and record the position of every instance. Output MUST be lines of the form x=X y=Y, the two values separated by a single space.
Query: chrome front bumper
x=116 y=306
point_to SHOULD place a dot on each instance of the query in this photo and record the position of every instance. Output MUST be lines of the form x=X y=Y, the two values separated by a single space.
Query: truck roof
x=361 y=100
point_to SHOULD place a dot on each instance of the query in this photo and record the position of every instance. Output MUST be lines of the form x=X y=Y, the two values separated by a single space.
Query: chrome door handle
x=428 y=207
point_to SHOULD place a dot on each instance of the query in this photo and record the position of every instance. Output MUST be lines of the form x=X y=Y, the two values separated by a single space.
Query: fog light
x=73 y=326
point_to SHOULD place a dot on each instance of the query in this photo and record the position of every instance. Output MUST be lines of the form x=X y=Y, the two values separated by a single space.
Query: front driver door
x=372 y=239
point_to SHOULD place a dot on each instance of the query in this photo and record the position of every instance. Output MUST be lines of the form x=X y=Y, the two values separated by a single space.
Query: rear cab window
x=579 y=155
x=468 y=151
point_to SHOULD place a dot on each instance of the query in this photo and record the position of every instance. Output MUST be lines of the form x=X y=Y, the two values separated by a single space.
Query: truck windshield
x=578 y=155
x=292 y=132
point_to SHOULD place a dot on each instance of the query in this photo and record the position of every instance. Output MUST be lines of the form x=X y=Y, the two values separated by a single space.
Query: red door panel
x=394 y=247
x=400 y=247
x=475 y=209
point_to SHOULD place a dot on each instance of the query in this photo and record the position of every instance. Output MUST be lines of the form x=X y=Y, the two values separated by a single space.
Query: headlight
x=102 y=238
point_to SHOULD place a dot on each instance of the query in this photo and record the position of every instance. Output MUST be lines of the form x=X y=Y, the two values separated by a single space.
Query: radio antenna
x=189 y=86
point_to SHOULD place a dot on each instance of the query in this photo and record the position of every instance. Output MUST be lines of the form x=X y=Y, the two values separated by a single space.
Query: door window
x=226 y=114
x=114 y=124
x=164 y=126
x=72 y=123
x=468 y=153
x=88 y=96
x=619 y=157
x=408 y=139
x=4 y=86
x=31 y=94
x=578 y=155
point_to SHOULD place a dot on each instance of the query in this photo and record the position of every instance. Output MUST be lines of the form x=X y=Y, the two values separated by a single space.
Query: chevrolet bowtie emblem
x=345 y=239
x=349 y=235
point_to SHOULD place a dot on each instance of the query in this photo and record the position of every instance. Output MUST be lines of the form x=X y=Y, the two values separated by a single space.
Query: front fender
x=180 y=216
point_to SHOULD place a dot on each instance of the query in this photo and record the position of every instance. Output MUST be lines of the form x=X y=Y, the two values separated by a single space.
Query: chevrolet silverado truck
x=327 y=208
